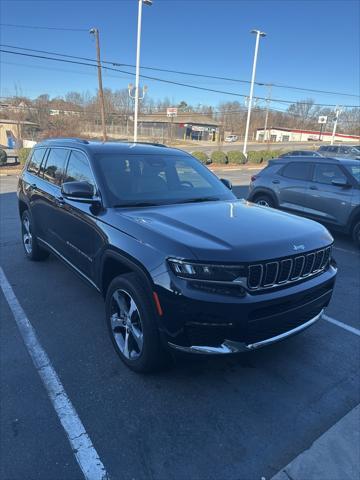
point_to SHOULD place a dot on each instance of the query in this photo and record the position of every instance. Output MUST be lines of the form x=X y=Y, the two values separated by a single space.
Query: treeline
x=67 y=115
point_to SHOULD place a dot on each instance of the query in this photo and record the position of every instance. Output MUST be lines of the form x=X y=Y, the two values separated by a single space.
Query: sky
x=309 y=44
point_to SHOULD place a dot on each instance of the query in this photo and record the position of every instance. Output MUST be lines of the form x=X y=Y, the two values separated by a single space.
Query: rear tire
x=30 y=243
x=130 y=316
x=265 y=201
x=356 y=233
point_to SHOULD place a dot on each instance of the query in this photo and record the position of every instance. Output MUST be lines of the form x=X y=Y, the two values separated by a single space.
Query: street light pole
x=137 y=71
x=337 y=113
x=258 y=35
x=95 y=32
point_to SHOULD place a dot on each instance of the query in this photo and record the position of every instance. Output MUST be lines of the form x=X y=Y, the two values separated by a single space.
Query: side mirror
x=227 y=183
x=81 y=191
x=340 y=183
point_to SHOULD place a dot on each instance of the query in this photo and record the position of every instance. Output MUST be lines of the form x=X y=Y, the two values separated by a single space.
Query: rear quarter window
x=297 y=171
x=35 y=160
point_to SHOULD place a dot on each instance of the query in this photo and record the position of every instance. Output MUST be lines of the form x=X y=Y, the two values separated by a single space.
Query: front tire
x=265 y=201
x=356 y=233
x=132 y=324
x=30 y=243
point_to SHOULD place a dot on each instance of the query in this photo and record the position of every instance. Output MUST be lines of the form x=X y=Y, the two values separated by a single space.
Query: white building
x=294 y=135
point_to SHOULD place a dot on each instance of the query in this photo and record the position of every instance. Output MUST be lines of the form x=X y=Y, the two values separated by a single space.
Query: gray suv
x=340 y=151
x=324 y=189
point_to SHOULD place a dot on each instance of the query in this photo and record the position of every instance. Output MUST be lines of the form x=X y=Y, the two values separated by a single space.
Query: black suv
x=181 y=262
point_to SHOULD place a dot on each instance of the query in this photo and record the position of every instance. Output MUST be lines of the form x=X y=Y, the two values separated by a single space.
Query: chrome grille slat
x=269 y=280
x=299 y=263
x=286 y=270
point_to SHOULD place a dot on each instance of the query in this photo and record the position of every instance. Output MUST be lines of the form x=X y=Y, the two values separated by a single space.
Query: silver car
x=340 y=151
x=324 y=189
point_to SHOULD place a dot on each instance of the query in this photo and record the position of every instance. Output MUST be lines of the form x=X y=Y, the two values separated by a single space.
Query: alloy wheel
x=263 y=203
x=27 y=236
x=126 y=325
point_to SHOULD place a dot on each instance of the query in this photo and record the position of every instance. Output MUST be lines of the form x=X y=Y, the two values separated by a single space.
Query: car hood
x=228 y=231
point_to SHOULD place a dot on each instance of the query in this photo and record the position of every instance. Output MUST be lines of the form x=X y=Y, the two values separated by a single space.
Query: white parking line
x=353 y=330
x=345 y=250
x=80 y=442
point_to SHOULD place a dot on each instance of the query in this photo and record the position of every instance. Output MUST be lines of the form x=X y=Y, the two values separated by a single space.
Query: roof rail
x=144 y=143
x=66 y=139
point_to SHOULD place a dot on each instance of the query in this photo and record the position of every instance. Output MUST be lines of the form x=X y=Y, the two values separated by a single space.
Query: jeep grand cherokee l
x=181 y=262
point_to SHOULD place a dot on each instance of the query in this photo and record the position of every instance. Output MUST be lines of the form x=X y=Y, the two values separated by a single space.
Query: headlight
x=201 y=271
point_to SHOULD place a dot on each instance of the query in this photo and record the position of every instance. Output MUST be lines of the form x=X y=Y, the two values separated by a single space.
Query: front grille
x=276 y=273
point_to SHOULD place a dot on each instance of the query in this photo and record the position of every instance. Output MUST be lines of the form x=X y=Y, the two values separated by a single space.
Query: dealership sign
x=171 y=112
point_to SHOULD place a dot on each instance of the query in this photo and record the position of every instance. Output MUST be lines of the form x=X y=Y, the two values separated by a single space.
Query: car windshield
x=145 y=180
x=355 y=171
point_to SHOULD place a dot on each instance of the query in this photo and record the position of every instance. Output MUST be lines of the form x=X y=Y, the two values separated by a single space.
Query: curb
x=335 y=455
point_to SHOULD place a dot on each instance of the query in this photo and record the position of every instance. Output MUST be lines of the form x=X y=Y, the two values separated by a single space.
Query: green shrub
x=235 y=156
x=202 y=157
x=3 y=157
x=219 y=157
x=262 y=156
x=23 y=154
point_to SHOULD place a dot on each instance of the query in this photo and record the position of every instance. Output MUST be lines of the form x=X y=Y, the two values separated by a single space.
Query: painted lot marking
x=80 y=442
x=345 y=250
x=353 y=330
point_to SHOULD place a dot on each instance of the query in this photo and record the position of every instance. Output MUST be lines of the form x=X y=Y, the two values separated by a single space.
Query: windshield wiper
x=200 y=199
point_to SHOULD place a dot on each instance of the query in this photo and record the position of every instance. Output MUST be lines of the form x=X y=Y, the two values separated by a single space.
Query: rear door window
x=297 y=171
x=35 y=160
x=55 y=165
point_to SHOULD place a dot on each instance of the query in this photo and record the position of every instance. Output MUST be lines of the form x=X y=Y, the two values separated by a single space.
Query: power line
x=178 y=72
x=37 y=27
x=172 y=82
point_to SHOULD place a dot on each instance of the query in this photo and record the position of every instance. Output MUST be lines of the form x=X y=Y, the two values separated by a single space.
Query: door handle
x=313 y=187
x=276 y=181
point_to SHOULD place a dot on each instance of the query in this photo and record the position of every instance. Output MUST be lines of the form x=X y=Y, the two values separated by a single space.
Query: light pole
x=137 y=77
x=95 y=31
x=337 y=113
x=258 y=35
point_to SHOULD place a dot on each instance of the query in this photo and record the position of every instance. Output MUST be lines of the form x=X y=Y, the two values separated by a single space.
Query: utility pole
x=95 y=32
x=268 y=100
x=258 y=35
x=337 y=113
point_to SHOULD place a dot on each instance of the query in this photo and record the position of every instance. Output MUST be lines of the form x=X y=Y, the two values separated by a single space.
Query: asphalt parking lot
x=239 y=418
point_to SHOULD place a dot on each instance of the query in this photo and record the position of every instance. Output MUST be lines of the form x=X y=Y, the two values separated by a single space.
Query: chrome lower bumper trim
x=229 y=346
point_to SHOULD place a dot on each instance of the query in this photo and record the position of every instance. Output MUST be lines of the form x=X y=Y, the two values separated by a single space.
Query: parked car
x=231 y=138
x=182 y=264
x=301 y=153
x=324 y=189
x=340 y=151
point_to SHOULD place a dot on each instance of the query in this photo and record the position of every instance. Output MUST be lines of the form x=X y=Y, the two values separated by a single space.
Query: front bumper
x=229 y=346
x=199 y=322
